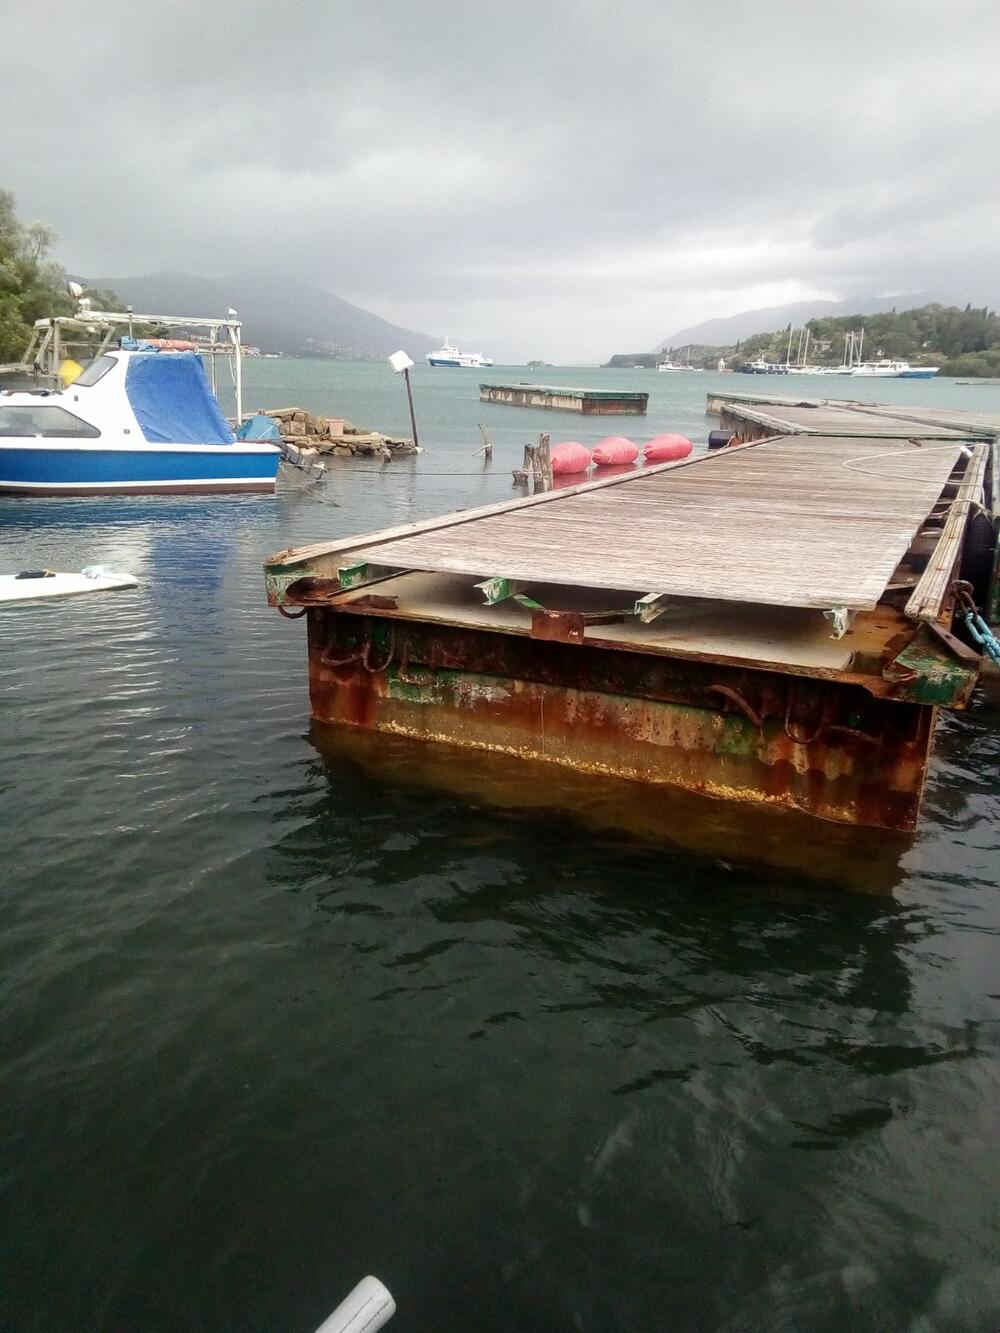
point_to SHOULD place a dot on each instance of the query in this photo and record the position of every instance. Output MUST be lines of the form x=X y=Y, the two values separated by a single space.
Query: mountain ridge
x=726 y=330
x=279 y=314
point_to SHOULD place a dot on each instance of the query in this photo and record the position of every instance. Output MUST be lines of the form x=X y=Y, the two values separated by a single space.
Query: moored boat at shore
x=762 y=367
x=894 y=370
x=133 y=423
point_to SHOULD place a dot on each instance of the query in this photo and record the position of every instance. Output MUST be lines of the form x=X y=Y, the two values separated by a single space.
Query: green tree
x=31 y=284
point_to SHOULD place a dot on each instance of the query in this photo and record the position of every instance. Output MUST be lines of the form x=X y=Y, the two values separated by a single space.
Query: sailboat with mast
x=668 y=366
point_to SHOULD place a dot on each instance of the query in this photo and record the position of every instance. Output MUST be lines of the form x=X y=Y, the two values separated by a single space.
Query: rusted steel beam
x=937 y=679
x=829 y=749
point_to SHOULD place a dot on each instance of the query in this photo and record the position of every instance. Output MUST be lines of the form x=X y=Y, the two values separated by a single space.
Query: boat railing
x=52 y=340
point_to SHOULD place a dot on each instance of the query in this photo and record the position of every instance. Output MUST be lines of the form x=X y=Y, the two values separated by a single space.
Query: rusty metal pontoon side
x=560 y=398
x=523 y=628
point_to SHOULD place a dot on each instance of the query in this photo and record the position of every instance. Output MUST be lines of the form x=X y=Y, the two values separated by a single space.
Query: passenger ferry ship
x=449 y=355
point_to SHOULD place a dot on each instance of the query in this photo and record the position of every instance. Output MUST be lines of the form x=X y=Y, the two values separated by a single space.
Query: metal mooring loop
x=366 y=655
x=736 y=698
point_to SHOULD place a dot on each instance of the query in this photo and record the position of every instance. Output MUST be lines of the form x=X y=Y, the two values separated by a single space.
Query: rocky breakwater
x=312 y=435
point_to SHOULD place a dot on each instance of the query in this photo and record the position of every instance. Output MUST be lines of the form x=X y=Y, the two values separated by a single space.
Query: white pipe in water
x=366 y=1309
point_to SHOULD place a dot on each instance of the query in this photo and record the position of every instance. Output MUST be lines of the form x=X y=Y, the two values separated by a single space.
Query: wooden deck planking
x=783 y=524
x=960 y=419
x=929 y=595
x=956 y=418
x=831 y=419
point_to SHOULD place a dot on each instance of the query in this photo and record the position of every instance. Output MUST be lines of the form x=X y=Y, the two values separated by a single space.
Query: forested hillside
x=960 y=342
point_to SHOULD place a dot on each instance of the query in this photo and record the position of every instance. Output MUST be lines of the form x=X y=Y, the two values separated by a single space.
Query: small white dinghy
x=32 y=584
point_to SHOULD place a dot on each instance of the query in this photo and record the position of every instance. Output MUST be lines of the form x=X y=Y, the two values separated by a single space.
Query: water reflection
x=727 y=833
x=670 y=1060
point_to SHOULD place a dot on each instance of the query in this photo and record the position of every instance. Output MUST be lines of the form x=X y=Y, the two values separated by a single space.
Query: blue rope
x=983 y=635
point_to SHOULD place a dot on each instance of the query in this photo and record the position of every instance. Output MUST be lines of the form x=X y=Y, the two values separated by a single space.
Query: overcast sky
x=553 y=178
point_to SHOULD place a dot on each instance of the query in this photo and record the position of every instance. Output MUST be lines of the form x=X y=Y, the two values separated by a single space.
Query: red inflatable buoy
x=666 y=448
x=569 y=457
x=615 y=449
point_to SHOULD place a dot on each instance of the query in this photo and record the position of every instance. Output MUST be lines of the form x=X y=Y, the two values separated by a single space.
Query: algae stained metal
x=763 y=625
x=559 y=398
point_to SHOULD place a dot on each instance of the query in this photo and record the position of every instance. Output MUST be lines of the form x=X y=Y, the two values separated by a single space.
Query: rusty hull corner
x=825 y=747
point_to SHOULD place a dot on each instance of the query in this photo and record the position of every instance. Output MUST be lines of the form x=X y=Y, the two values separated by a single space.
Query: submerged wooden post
x=487 y=449
x=543 y=464
x=522 y=475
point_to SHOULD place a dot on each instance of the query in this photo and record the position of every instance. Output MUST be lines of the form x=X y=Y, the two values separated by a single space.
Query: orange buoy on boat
x=666 y=448
x=615 y=449
x=172 y=344
x=569 y=457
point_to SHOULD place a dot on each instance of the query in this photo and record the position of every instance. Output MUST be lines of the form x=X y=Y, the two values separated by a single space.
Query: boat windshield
x=97 y=369
x=44 y=421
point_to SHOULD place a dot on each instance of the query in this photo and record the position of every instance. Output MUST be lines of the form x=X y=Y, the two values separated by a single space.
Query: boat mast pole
x=238 y=372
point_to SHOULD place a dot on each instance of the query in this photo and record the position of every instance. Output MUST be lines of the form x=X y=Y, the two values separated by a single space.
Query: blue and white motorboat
x=133 y=423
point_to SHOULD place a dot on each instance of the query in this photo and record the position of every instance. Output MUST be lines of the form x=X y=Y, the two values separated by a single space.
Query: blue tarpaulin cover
x=172 y=401
x=259 y=427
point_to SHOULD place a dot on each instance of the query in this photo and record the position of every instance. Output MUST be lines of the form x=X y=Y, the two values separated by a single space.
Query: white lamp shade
x=400 y=362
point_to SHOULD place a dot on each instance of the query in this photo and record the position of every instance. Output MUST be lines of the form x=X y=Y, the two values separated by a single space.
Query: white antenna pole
x=239 y=374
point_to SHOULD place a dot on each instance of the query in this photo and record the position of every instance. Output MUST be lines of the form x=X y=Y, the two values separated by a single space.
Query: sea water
x=275 y=1017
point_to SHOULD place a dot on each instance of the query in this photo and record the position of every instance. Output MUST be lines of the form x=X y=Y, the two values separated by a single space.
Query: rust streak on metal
x=834 y=752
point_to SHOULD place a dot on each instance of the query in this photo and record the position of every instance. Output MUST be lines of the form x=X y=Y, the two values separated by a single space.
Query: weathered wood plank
x=927 y=600
x=791 y=523
x=319 y=550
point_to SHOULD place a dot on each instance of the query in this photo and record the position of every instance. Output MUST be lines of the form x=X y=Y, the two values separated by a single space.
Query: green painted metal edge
x=925 y=674
x=566 y=389
x=278 y=579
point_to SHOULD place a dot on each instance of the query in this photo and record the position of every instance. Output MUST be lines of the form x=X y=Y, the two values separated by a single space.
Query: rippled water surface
x=279 y=1011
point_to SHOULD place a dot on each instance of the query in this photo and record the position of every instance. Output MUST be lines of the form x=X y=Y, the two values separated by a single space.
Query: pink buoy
x=615 y=449
x=666 y=448
x=569 y=457
x=616 y=470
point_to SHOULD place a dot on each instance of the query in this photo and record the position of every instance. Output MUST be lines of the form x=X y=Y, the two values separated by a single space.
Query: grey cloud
x=561 y=178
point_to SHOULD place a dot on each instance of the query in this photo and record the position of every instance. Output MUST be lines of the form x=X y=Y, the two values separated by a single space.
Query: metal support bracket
x=841 y=618
x=504 y=590
x=569 y=626
x=356 y=576
x=651 y=607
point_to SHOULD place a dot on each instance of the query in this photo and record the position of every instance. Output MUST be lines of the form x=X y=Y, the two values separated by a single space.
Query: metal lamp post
x=401 y=364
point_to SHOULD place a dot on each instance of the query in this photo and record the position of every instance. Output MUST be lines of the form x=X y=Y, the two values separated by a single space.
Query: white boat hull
x=95 y=579
x=450 y=357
